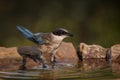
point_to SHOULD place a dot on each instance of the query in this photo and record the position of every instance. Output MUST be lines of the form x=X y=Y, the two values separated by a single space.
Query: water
x=89 y=69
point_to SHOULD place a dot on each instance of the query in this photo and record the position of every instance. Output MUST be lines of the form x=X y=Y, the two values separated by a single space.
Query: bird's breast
x=48 y=48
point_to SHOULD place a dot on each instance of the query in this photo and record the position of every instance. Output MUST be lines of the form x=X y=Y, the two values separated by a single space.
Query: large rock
x=92 y=64
x=9 y=59
x=66 y=52
x=114 y=52
x=91 y=51
x=9 y=53
x=115 y=68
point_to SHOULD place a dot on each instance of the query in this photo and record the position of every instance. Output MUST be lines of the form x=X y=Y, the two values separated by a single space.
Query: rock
x=115 y=68
x=91 y=51
x=115 y=52
x=9 y=53
x=92 y=64
x=9 y=59
x=66 y=52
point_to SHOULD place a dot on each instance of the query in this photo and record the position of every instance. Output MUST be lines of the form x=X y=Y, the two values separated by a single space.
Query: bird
x=45 y=42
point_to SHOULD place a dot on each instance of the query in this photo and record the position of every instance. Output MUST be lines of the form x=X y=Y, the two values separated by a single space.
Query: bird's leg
x=23 y=66
x=53 y=58
x=40 y=59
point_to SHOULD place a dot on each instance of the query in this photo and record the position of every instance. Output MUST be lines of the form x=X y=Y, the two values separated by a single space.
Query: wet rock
x=10 y=56
x=66 y=52
x=9 y=53
x=91 y=51
x=116 y=67
x=92 y=64
x=9 y=59
x=114 y=51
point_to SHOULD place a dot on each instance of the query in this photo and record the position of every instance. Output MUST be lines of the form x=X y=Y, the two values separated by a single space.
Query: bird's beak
x=70 y=34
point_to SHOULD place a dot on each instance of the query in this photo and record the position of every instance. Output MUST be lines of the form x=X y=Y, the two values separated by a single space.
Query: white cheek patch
x=59 y=37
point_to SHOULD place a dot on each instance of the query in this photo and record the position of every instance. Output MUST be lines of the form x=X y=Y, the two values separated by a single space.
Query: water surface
x=89 y=69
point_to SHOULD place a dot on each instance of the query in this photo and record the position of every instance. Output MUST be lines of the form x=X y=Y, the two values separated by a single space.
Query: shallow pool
x=89 y=69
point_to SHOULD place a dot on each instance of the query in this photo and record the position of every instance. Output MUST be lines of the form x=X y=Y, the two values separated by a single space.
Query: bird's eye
x=64 y=33
x=60 y=32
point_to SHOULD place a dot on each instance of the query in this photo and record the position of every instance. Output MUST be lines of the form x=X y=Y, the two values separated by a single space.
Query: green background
x=91 y=21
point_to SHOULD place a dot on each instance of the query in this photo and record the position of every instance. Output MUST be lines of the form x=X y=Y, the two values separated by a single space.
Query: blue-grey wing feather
x=30 y=36
x=25 y=31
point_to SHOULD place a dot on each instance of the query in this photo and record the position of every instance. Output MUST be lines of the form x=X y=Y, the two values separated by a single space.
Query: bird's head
x=61 y=32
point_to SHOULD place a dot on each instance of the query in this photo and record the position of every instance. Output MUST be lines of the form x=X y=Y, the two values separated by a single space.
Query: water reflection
x=116 y=67
x=92 y=64
x=91 y=69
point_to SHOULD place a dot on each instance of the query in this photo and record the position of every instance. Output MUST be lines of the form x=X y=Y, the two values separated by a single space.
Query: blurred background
x=91 y=21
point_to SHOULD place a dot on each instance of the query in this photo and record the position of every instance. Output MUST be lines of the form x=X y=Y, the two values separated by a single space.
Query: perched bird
x=45 y=42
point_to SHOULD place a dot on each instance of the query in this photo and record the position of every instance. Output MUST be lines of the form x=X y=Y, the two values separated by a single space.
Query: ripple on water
x=92 y=70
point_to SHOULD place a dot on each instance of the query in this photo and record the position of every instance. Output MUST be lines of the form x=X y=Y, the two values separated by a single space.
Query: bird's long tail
x=25 y=31
x=30 y=36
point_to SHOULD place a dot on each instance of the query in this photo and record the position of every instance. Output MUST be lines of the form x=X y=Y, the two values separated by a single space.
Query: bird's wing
x=46 y=37
x=30 y=36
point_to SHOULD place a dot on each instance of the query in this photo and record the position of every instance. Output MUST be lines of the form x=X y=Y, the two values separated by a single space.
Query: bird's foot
x=44 y=66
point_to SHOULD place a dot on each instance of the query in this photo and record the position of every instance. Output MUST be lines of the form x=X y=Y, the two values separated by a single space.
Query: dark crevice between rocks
x=79 y=54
